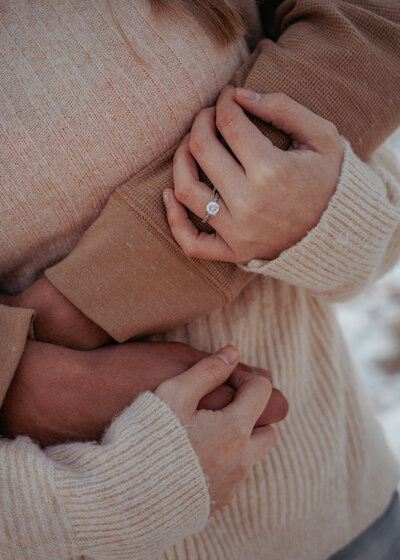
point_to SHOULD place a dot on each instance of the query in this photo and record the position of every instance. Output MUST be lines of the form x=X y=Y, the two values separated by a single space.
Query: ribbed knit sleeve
x=357 y=238
x=15 y=325
x=132 y=496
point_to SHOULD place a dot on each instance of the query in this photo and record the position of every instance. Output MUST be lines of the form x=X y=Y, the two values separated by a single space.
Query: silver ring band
x=212 y=208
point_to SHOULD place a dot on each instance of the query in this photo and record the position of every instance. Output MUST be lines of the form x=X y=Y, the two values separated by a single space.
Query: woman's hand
x=227 y=442
x=269 y=199
x=59 y=394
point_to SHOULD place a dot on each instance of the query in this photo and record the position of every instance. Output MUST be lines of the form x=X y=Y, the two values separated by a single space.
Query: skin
x=59 y=394
x=269 y=199
x=236 y=443
x=58 y=321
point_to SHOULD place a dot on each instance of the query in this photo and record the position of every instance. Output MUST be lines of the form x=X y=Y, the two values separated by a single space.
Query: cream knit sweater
x=141 y=492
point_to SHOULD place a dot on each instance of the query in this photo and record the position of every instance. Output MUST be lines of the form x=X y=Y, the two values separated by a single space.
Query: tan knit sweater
x=142 y=491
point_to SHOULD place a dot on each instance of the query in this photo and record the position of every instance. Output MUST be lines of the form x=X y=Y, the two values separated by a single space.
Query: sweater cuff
x=15 y=326
x=349 y=239
x=138 y=492
x=125 y=277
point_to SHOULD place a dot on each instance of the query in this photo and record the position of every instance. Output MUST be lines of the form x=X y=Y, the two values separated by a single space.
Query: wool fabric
x=141 y=493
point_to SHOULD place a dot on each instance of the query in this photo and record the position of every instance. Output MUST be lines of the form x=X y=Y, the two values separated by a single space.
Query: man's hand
x=59 y=394
x=57 y=320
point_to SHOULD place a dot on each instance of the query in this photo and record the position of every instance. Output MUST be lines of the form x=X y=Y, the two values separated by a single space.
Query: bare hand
x=269 y=199
x=59 y=394
x=57 y=320
x=226 y=441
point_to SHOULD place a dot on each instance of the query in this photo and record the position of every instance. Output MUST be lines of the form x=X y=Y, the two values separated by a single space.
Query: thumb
x=304 y=126
x=184 y=392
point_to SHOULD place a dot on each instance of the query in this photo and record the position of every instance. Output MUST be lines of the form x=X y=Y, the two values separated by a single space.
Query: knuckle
x=183 y=193
x=239 y=431
x=197 y=144
x=266 y=174
x=189 y=249
x=331 y=132
x=226 y=118
x=167 y=390
x=282 y=100
x=264 y=385
x=214 y=367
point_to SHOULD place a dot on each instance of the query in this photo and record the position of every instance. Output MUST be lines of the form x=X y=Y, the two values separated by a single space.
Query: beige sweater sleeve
x=132 y=496
x=357 y=239
x=15 y=325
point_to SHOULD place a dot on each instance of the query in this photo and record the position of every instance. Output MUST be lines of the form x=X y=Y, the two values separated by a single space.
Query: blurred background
x=371 y=323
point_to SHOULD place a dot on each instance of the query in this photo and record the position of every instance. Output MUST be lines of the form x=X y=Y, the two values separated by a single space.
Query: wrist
x=58 y=321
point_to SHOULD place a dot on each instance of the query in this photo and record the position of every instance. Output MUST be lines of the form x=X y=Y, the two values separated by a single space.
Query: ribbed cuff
x=342 y=252
x=34 y=521
x=128 y=280
x=137 y=493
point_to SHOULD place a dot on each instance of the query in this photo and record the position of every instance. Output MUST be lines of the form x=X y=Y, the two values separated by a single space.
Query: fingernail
x=167 y=199
x=230 y=355
x=248 y=94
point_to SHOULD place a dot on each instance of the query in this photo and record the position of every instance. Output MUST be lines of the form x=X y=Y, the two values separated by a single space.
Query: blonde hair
x=221 y=16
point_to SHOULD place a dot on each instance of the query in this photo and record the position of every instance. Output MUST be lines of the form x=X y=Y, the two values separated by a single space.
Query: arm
x=58 y=394
x=341 y=59
x=148 y=484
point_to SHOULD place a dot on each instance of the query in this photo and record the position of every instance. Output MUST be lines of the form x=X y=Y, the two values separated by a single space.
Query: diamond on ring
x=212 y=207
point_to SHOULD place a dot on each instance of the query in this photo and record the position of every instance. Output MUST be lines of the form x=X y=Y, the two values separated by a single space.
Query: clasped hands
x=64 y=391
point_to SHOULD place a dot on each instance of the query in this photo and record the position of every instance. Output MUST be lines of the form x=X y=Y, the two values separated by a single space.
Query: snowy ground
x=372 y=326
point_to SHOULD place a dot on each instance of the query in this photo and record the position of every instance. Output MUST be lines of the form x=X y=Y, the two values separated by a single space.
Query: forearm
x=57 y=320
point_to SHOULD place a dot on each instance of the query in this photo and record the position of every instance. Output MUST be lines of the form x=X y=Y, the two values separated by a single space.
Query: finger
x=252 y=394
x=194 y=244
x=203 y=378
x=243 y=372
x=234 y=380
x=221 y=397
x=217 y=399
x=217 y=163
x=191 y=192
x=242 y=136
x=262 y=440
x=276 y=410
x=305 y=127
